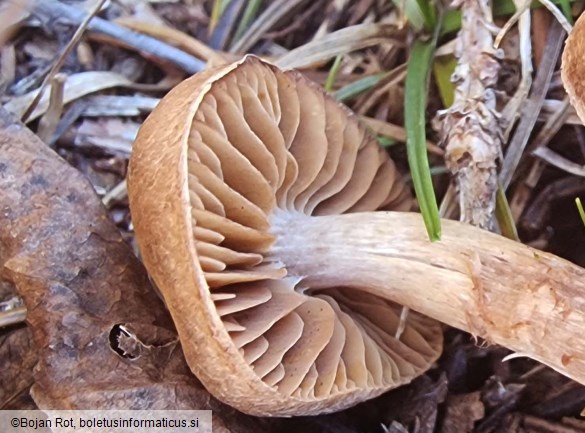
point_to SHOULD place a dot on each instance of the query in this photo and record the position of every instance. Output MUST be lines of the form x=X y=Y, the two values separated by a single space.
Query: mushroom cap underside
x=222 y=153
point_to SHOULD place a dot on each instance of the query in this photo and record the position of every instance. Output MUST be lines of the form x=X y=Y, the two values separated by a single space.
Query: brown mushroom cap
x=573 y=67
x=224 y=154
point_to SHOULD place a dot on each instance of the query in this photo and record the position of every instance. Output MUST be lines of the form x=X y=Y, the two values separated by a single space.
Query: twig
x=61 y=59
x=12 y=317
x=12 y=312
x=396 y=132
x=551 y=106
x=556 y=12
x=550 y=128
x=560 y=162
x=510 y=23
x=53 y=10
x=448 y=208
x=115 y=194
x=335 y=10
x=534 y=104
x=392 y=79
x=50 y=120
x=512 y=109
x=271 y=15
x=552 y=125
x=68 y=119
x=537 y=213
x=298 y=23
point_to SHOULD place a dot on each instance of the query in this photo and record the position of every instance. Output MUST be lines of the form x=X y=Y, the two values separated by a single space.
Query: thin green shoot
x=420 y=14
x=580 y=209
x=429 y=13
x=216 y=11
x=332 y=76
x=504 y=216
x=359 y=86
x=248 y=16
x=387 y=141
x=434 y=171
x=415 y=101
x=566 y=8
x=443 y=68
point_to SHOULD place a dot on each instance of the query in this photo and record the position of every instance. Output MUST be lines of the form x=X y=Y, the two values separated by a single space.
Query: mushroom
x=573 y=69
x=261 y=209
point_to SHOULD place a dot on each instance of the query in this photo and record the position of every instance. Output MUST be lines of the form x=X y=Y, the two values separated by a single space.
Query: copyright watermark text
x=105 y=421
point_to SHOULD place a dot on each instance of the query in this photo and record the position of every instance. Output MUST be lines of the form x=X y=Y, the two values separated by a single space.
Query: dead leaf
x=416 y=408
x=119 y=105
x=342 y=41
x=113 y=135
x=461 y=412
x=83 y=287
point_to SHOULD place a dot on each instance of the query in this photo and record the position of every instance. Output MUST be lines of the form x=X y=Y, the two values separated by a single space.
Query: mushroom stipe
x=276 y=231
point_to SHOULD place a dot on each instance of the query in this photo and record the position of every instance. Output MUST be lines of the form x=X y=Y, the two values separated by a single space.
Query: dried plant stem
x=50 y=120
x=536 y=215
x=523 y=191
x=508 y=293
x=533 y=105
x=558 y=14
x=512 y=109
x=559 y=161
x=339 y=42
x=470 y=128
x=12 y=312
x=263 y=23
x=64 y=54
x=116 y=193
x=12 y=317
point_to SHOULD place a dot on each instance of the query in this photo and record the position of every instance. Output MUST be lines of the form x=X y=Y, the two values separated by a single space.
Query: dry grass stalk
x=49 y=121
x=52 y=10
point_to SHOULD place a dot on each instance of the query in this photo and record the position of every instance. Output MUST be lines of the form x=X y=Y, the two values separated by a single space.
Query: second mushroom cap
x=224 y=168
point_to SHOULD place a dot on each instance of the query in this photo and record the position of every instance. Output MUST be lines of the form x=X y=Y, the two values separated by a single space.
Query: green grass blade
x=434 y=171
x=330 y=81
x=451 y=21
x=504 y=216
x=415 y=101
x=386 y=141
x=566 y=8
x=358 y=86
x=250 y=12
x=443 y=68
x=421 y=14
x=429 y=13
x=216 y=11
x=581 y=212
